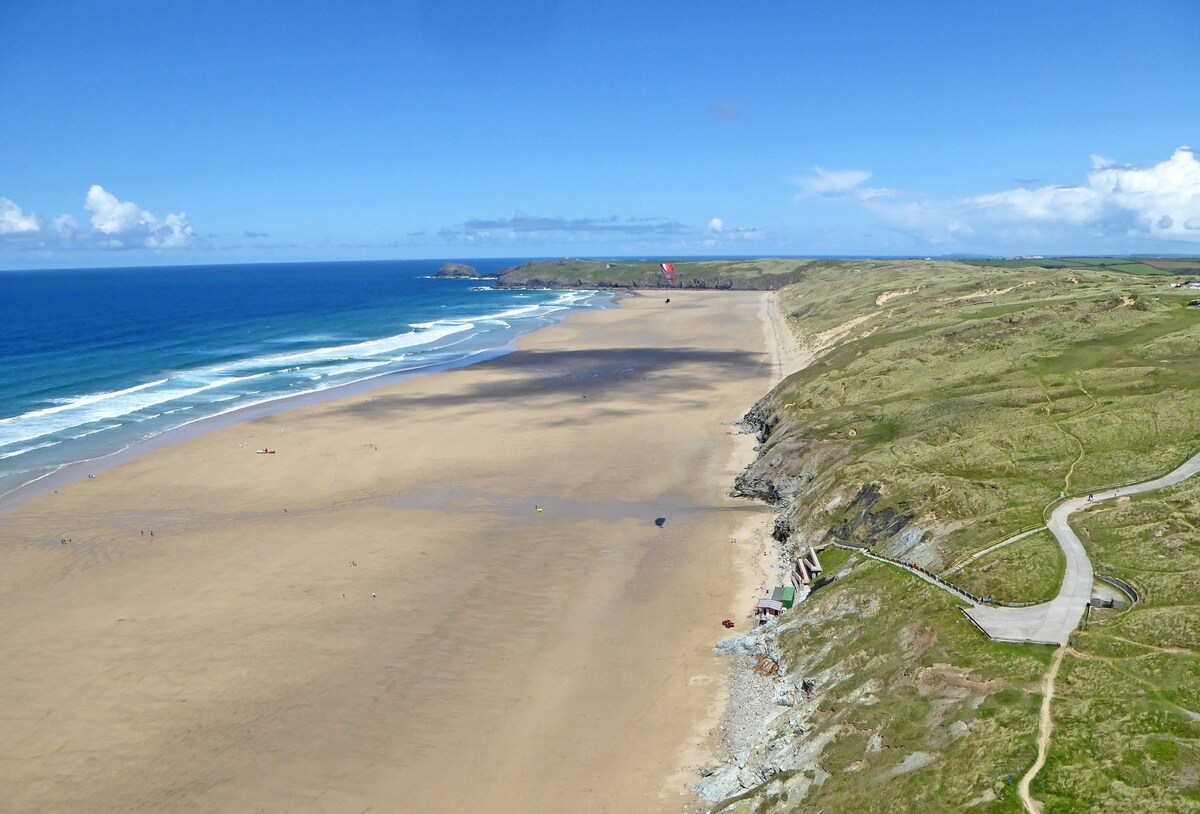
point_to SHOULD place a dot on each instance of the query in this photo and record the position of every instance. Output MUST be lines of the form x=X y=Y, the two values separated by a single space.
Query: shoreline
x=558 y=640
x=74 y=471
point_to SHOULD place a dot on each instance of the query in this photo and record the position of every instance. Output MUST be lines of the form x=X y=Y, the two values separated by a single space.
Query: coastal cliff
x=716 y=275
x=945 y=406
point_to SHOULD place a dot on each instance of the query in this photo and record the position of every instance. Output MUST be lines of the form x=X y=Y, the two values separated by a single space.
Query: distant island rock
x=457 y=270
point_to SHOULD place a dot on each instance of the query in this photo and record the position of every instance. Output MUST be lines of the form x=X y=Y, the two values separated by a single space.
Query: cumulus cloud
x=15 y=221
x=1117 y=201
x=127 y=224
x=115 y=224
x=825 y=183
x=109 y=215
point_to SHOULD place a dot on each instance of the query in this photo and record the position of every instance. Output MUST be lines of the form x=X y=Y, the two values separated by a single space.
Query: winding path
x=1045 y=727
x=1053 y=622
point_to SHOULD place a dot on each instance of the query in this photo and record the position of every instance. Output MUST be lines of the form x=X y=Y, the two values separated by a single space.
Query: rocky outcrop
x=775 y=730
x=865 y=523
x=458 y=270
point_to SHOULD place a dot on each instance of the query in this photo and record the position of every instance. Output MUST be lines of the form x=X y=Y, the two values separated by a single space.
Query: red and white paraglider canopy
x=669 y=270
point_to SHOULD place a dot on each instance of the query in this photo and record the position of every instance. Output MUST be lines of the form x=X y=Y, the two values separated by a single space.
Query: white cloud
x=109 y=215
x=1117 y=201
x=65 y=225
x=839 y=184
x=115 y=224
x=175 y=233
x=1163 y=198
x=14 y=220
x=716 y=225
x=129 y=225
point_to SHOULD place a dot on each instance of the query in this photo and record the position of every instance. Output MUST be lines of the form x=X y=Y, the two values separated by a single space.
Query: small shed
x=785 y=594
x=771 y=607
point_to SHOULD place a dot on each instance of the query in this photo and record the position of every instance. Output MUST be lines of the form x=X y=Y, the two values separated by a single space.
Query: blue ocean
x=96 y=360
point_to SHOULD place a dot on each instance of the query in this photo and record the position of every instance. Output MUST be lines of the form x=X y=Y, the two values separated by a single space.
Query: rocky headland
x=628 y=275
x=459 y=271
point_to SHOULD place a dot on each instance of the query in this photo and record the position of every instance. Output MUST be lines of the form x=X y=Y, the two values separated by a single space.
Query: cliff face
x=873 y=680
x=795 y=471
x=740 y=275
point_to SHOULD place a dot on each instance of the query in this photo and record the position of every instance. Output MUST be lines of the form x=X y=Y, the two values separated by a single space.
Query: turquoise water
x=96 y=360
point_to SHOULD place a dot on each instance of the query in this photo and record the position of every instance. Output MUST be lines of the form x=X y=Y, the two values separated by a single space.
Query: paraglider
x=669 y=270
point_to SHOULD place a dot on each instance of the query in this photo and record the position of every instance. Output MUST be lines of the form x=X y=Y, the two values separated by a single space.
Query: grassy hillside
x=947 y=406
x=1127 y=705
x=1029 y=570
x=1129 y=265
x=766 y=274
x=973 y=398
x=910 y=709
x=775 y=273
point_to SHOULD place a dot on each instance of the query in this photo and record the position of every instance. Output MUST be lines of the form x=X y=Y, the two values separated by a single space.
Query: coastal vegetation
x=947 y=405
x=1127 y=703
x=1129 y=265
x=901 y=705
x=1029 y=570
x=765 y=274
x=774 y=273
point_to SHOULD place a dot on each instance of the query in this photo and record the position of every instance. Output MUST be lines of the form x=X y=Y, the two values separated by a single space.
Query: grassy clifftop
x=769 y=274
x=971 y=398
x=755 y=275
x=946 y=406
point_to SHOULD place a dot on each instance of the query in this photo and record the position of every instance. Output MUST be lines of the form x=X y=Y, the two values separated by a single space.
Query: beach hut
x=785 y=595
x=767 y=608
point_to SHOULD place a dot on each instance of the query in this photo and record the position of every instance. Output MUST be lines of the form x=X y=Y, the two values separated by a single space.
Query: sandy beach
x=376 y=617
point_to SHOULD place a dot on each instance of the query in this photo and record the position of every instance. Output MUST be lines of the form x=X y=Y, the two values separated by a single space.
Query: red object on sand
x=727 y=622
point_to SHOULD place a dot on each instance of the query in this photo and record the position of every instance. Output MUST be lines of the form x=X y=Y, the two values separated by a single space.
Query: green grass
x=1029 y=570
x=1127 y=265
x=767 y=273
x=970 y=405
x=977 y=401
x=895 y=658
x=1125 y=738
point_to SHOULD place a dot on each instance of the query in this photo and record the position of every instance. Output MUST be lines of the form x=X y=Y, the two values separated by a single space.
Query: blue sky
x=209 y=132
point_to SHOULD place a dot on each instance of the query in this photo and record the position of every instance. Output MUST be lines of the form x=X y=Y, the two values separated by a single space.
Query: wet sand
x=376 y=617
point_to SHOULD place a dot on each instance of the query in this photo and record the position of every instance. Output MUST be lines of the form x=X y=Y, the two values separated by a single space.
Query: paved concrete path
x=1053 y=622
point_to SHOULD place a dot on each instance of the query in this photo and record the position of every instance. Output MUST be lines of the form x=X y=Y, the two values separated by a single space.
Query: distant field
x=1127 y=265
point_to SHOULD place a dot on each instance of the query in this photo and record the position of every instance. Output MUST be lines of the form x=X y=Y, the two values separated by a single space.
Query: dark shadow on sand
x=633 y=374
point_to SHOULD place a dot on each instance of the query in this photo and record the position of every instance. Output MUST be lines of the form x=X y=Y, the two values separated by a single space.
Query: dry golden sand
x=480 y=656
